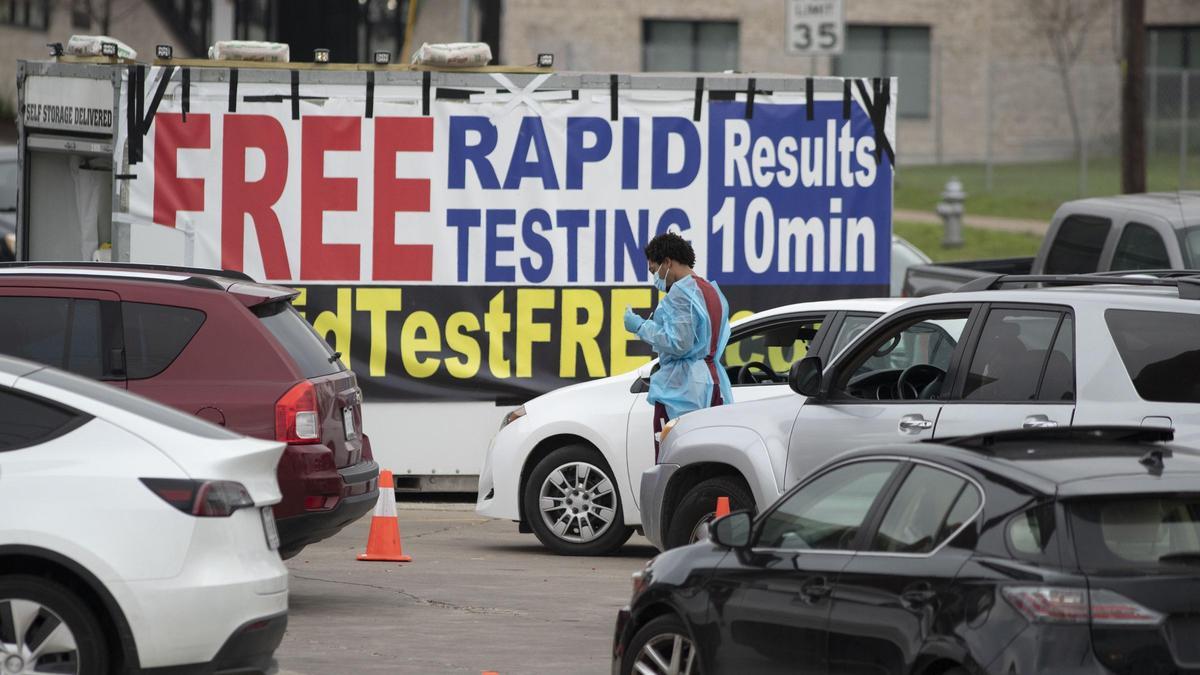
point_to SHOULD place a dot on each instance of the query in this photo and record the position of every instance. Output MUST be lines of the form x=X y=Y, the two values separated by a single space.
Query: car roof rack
x=133 y=267
x=1110 y=433
x=1187 y=282
x=1157 y=273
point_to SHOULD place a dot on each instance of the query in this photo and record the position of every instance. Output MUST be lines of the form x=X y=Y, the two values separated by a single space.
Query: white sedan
x=132 y=536
x=567 y=464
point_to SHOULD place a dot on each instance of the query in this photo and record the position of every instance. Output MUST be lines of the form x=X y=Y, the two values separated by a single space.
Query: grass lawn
x=978 y=243
x=1029 y=190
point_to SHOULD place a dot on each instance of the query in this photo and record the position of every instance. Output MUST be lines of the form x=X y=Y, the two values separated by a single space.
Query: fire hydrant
x=951 y=210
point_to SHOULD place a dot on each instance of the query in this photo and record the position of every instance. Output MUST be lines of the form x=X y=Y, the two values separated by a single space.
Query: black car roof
x=1071 y=461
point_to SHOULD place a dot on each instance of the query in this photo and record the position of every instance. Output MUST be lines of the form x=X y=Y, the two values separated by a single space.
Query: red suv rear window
x=312 y=355
x=155 y=335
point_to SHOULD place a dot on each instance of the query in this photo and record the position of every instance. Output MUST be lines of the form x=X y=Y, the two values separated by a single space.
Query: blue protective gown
x=680 y=333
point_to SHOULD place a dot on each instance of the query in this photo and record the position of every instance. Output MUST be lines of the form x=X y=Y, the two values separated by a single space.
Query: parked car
x=1154 y=231
x=1044 y=551
x=216 y=345
x=132 y=536
x=986 y=358
x=595 y=438
x=904 y=256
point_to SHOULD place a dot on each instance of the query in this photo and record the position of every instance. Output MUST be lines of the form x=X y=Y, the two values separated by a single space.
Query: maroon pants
x=660 y=415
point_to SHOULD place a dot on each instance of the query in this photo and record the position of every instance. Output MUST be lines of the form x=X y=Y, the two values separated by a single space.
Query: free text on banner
x=487 y=250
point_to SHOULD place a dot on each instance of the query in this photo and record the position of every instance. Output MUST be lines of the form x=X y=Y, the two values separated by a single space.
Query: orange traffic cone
x=722 y=507
x=384 y=541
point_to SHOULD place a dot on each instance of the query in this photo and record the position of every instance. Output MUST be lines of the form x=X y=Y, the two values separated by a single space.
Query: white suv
x=589 y=442
x=1088 y=350
x=132 y=536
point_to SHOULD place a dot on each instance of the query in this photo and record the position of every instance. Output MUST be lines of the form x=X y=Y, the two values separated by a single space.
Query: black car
x=1059 y=551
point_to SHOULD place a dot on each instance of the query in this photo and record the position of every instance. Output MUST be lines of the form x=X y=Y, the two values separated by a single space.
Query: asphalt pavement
x=477 y=597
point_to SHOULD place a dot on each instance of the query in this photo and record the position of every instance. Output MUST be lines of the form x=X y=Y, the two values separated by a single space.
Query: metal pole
x=1152 y=71
x=937 y=84
x=987 y=114
x=1083 y=138
x=466 y=20
x=1183 y=126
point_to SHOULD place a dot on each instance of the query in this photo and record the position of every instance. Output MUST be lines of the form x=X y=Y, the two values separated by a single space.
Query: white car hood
x=591 y=391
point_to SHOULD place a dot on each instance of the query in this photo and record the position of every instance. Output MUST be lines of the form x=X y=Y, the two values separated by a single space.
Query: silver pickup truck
x=1082 y=350
x=1129 y=232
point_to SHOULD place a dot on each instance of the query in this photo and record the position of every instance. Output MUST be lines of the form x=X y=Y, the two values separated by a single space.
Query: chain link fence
x=1024 y=135
x=1173 y=120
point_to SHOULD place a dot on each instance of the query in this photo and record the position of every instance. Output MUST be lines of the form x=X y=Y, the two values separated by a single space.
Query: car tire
x=660 y=635
x=699 y=505
x=23 y=597
x=287 y=553
x=574 y=522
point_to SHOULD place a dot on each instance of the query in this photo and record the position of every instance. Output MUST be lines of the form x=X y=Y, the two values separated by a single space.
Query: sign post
x=815 y=27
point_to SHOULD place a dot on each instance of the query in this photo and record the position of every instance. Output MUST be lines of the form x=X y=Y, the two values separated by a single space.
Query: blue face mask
x=660 y=282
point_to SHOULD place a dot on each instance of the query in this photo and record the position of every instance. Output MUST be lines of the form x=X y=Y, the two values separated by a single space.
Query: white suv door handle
x=911 y=423
x=1039 y=422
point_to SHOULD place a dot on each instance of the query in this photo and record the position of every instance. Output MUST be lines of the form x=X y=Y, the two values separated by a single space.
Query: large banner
x=487 y=249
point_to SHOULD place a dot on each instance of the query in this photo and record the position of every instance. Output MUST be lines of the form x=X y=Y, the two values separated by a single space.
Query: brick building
x=964 y=65
x=977 y=77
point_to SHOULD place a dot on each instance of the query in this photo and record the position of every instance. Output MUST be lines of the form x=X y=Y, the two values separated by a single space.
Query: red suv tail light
x=201 y=498
x=297 y=419
x=1046 y=604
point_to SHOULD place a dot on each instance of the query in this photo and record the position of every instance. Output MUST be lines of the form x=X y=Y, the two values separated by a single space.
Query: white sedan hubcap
x=578 y=502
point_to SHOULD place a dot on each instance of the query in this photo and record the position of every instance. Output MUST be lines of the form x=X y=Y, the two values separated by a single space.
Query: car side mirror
x=731 y=531
x=642 y=383
x=805 y=376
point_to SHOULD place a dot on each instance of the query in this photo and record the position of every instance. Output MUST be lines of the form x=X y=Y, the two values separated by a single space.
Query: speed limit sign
x=815 y=27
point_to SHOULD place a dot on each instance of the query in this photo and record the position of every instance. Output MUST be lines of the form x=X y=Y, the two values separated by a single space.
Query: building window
x=81 y=14
x=252 y=20
x=891 y=51
x=1172 y=53
x=689 y=46
x=381 y=28
x=25 y=13
x=1173 y=47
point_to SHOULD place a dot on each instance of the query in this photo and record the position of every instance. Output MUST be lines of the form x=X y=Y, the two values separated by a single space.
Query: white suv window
x=1022 y=352
x=1160 y=350
x=923 y=344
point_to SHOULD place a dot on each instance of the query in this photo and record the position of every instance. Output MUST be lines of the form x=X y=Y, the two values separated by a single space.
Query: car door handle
x=1039 y=422
x=917 y=597
x=814 y=590
x=910 y=423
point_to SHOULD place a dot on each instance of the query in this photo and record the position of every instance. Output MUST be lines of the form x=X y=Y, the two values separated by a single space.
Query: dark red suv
x=217 y=345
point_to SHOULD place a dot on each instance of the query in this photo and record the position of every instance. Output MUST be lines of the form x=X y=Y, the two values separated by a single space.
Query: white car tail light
x=201 y=498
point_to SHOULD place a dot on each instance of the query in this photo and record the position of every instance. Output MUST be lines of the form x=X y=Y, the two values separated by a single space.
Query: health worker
x=688 y=331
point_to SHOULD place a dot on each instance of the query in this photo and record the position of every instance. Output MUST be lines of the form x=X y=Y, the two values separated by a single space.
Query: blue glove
x=632 y=321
